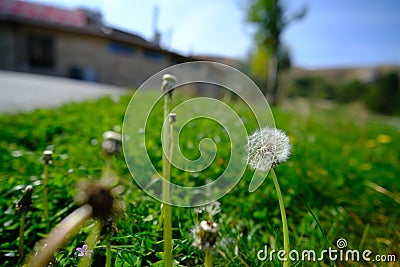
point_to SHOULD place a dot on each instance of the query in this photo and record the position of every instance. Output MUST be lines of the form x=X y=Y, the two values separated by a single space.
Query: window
x=153 y=55
x=120 y=48
x=41 y=51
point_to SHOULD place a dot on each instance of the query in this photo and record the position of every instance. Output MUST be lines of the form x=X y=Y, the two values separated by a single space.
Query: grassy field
x=342 y=181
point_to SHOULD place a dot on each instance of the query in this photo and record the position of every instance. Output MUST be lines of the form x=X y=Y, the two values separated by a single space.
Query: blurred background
x=342 y=51
x=330 y=69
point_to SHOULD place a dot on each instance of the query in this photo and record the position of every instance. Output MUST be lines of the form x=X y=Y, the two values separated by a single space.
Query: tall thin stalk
x=167 y=222
x=107 y=167
x=21 y=236
x=108 y=252
x=286 y=244
x=168 y=82
x=23 y=206
x=46 y=193
x=48 y=158
x=208 y=259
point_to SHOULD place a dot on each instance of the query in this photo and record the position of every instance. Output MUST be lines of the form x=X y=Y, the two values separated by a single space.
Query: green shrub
x=384 y=96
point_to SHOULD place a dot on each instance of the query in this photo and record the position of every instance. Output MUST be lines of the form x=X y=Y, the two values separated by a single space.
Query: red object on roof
x=49 y=14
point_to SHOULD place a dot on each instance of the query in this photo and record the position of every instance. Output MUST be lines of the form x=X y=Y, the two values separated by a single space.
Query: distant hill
x=367 y=74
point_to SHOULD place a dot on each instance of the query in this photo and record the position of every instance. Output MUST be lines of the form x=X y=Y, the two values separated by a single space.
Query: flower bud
x=48 y=156
x=172 y=117
x=25 y=203
x=111 y=142
x=168 y=82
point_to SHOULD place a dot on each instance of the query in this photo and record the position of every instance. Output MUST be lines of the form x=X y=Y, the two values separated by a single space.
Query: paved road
x=21 y=92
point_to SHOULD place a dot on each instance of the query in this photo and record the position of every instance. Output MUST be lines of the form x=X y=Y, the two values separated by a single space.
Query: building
x=75 y=43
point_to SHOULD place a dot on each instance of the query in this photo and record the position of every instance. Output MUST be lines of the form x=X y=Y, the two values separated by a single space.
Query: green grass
x=340 y=182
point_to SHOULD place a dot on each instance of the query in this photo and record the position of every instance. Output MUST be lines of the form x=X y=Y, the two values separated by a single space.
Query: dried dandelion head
x=25 y=203
x=100 y=197
x=48 y=156
x=266 y=148
x=205 y=235
x=168 y=82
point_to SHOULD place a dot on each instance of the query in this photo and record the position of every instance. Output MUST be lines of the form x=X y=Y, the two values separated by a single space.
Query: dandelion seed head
x=266 y=148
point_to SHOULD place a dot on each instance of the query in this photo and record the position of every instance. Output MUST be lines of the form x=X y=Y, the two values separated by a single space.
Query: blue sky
x=333 y=34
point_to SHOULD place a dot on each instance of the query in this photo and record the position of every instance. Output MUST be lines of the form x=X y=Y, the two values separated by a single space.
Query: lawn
x=341 y=181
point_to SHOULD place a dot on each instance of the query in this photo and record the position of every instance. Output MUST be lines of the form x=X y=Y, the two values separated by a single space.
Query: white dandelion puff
x=266 y=148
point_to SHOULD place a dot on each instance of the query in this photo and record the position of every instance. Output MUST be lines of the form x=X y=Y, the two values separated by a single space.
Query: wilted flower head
x=48 y=156
x=25 y=203
x=111 y=142
x=100 y=197
x=205 y=235
x=172 y=117
x=168 y=82
x=266 y=148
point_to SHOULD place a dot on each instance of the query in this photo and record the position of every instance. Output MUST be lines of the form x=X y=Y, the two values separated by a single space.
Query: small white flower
x=266 y=148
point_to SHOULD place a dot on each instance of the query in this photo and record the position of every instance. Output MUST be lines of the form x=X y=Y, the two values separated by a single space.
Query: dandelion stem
x=286 y=244
x=59 y=235
x=167 y=222
x=91 y=241
x=107 y=167
x=108 y=252
x=21 y=236
x=45 y=194
x=208 y=258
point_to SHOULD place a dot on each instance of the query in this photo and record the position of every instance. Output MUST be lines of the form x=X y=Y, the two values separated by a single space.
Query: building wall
x=7 y=46
x=78 y=55
x=110 y=61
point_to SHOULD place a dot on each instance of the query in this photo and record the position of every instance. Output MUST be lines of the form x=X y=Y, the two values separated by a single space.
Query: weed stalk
x=21 y=236
x=286 y=244
x=167 y=222
x=208 y=259
x=23 y=206
x=47 y=157
x=168 y=82
x=108 y=252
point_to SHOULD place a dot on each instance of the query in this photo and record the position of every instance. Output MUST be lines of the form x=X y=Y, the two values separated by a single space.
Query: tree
x=271 y=20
